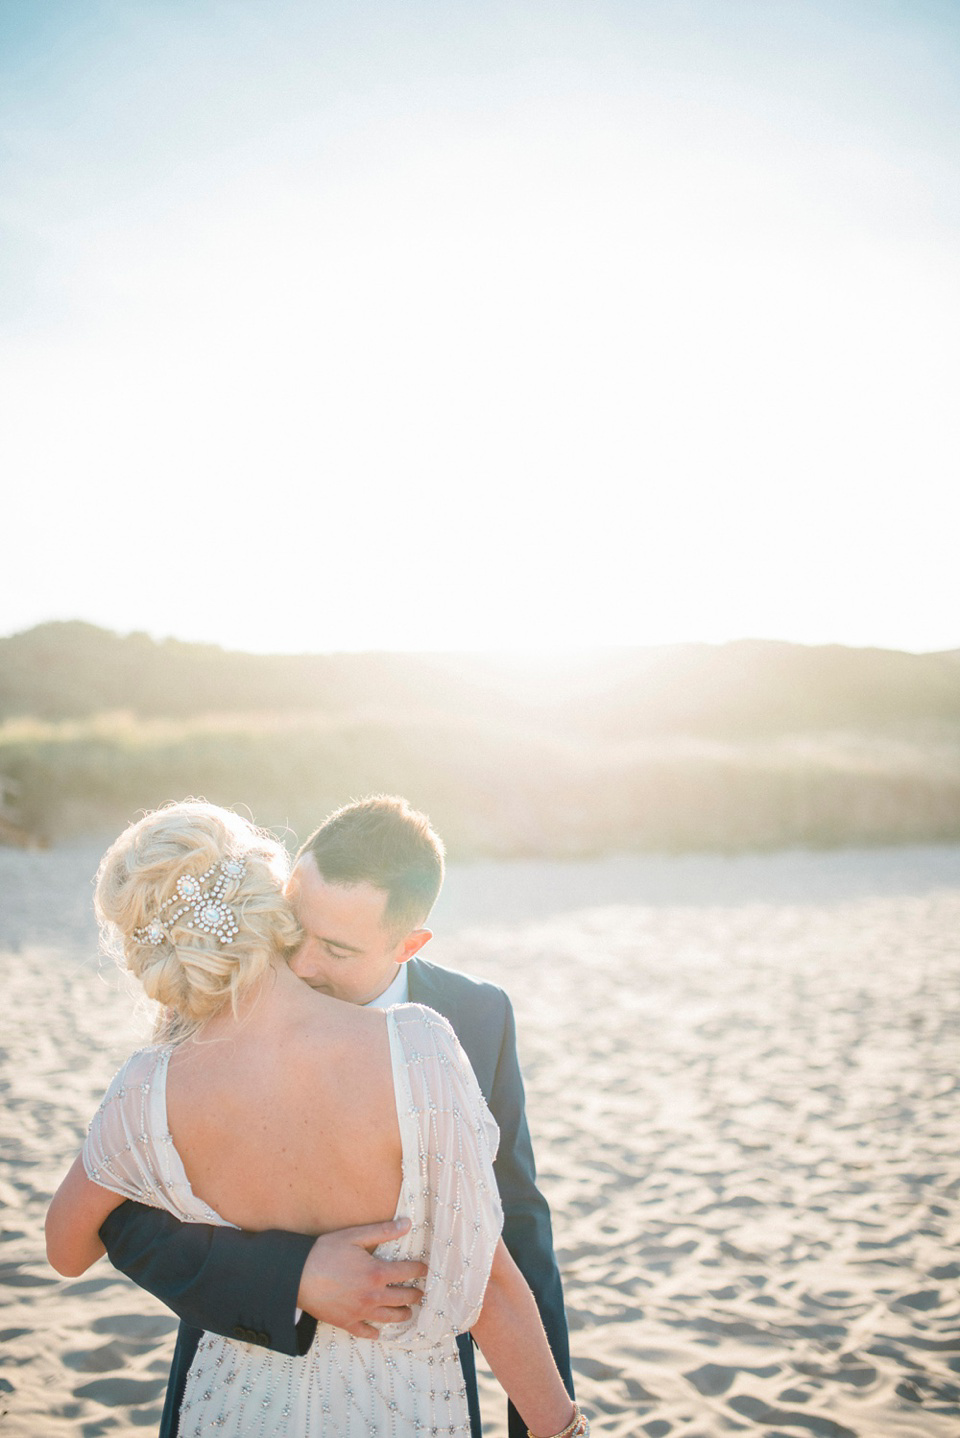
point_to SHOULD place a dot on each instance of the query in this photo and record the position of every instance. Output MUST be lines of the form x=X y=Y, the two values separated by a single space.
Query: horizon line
x=491 y=651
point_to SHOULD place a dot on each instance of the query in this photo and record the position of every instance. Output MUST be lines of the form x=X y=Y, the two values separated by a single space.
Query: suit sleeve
x=527 y=1230
x=240 y=1285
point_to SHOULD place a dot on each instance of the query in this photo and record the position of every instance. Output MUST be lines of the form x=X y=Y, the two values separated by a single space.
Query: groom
x=362 y=886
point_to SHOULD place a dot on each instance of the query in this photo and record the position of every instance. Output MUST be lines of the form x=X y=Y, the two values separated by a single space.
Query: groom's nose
x=306 y=961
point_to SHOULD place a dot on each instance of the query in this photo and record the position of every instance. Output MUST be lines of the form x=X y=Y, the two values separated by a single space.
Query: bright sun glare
x=549 y=357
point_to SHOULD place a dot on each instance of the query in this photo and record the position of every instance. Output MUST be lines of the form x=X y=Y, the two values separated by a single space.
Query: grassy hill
x=694 y=746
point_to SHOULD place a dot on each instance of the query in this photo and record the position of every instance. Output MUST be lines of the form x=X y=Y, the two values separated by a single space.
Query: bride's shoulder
x=440 y=1071
x=138 y=1071
x=423 y=1029
x=411 y=1016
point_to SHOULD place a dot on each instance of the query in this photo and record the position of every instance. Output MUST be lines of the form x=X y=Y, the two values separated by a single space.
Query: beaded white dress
x=407 y=1382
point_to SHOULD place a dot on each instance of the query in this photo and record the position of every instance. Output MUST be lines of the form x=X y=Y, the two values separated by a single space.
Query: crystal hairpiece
x=208 y=913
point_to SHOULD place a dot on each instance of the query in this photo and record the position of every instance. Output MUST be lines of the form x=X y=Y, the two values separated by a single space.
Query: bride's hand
x=345 y=1285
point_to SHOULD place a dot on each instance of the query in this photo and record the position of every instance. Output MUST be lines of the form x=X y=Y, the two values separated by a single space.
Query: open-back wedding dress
x=407 y=1382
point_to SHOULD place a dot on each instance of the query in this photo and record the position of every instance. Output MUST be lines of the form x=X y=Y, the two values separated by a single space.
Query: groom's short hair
x=384 y=842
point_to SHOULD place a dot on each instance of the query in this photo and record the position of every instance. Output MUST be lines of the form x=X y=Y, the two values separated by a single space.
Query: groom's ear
x=412 y=944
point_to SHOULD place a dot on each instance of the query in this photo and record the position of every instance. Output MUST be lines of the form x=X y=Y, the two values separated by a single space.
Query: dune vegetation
x=748 y=745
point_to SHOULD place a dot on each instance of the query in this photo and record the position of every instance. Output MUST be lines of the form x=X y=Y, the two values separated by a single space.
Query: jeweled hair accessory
x=208 y=913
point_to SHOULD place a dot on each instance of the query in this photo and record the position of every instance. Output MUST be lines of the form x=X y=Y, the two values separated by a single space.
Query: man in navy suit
x=363 y=885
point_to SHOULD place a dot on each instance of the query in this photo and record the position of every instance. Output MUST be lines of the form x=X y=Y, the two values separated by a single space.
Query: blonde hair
x=191 y=974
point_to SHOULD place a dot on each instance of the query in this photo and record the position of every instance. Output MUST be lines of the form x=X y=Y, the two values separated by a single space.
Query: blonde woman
x=264 y=1104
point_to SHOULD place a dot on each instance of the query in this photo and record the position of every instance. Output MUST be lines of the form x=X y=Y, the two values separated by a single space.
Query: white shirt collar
x=396 y=993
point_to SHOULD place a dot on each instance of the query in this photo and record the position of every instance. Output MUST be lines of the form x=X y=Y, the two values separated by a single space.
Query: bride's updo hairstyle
x=190 y=900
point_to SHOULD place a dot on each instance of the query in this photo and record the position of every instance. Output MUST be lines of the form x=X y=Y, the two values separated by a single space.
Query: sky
x=468 y=325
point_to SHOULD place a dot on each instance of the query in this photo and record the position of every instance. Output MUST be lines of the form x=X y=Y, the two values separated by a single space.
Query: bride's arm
x=77 y=1210
x=511 y=1338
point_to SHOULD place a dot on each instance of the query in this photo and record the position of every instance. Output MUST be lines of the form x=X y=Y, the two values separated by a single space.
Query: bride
x=264 y=1104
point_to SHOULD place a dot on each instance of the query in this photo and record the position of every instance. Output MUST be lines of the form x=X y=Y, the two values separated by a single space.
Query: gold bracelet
x=578 y=1427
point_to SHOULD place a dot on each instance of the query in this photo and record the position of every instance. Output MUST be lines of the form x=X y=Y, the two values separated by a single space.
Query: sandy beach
x=742 y=1083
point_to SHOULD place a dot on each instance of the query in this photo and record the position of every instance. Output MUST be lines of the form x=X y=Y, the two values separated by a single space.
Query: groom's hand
x=345 y=1285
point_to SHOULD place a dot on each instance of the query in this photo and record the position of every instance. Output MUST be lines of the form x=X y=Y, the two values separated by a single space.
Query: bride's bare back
x=288 y=1118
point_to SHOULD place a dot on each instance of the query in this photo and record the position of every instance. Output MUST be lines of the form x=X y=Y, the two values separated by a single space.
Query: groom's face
x=347 y=952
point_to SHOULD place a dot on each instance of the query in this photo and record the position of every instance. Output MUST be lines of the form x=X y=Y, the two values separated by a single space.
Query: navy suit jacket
x=244 y=1285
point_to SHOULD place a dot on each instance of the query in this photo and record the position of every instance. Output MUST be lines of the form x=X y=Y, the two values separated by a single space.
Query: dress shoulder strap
x=129 y=1148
